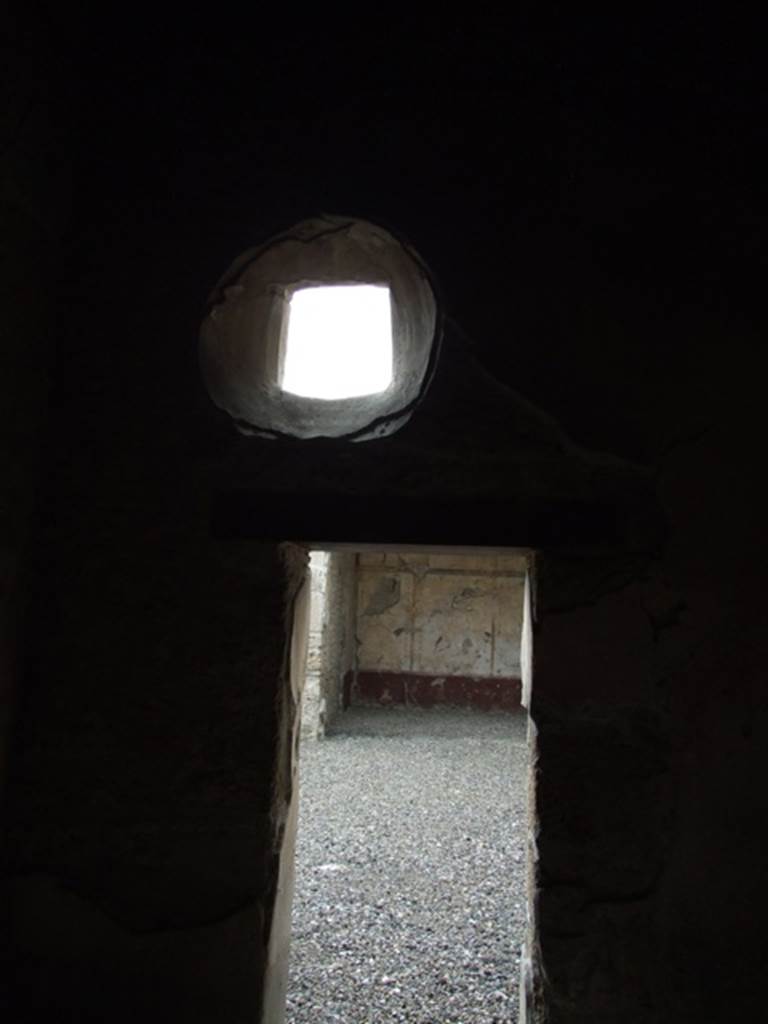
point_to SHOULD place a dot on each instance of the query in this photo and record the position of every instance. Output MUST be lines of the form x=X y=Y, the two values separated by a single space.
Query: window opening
x=329 y=329
x=338 y=342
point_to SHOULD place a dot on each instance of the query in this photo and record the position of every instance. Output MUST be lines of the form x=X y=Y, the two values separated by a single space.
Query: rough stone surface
x=331 y=647
x=410 y=901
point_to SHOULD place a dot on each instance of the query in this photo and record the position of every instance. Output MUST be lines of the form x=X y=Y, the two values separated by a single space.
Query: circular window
x=327 y=330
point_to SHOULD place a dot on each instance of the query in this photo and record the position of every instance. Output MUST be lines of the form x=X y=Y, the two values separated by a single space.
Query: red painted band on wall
x=426 y=691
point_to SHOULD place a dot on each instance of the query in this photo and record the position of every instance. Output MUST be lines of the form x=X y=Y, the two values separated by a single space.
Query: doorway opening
x=412 y=887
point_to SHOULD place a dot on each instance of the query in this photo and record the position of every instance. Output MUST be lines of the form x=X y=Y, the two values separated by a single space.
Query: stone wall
x=606 y=259
x=35 y=196
x=650 y=878
x=331 y=647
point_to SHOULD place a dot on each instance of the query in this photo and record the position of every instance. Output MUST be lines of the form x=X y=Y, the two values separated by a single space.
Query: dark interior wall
x=593 y=207
x=35 y=195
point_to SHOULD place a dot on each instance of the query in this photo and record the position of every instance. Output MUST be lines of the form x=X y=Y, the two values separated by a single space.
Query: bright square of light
x=338 y=342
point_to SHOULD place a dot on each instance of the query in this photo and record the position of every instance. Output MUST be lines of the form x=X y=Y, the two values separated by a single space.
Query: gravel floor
x=409 y=898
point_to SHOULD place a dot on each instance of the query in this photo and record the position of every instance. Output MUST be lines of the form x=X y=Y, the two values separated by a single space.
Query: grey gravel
x=410 y=882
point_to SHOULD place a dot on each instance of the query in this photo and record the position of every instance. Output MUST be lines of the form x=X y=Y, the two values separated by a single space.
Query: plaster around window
x=242 y=340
